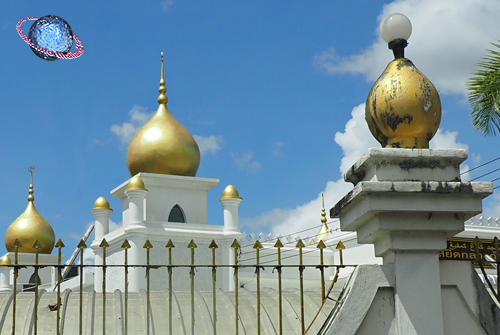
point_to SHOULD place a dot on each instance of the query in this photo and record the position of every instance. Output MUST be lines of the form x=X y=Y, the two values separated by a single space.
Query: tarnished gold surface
x=403 y=109
x=29 y=227
x=136 y=183
x=5 y=260
x=230 y=192
x=163 y=145
x=101 y=203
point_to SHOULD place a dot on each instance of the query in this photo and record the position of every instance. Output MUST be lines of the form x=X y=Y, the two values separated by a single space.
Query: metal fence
x=277 y=268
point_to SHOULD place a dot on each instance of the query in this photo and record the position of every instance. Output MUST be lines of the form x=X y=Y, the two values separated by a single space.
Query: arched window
x=32 y=280
x=176 y=215
x=31 y=284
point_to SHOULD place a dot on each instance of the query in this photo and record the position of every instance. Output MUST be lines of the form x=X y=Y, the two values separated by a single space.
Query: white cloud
x=449 y=37
x=246 y=161
x=209 y=144
x=166 y=4
x=277 y=146
x=354 y=141
x=138 y=118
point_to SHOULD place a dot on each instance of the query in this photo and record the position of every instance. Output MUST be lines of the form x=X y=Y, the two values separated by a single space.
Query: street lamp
x=396 y=30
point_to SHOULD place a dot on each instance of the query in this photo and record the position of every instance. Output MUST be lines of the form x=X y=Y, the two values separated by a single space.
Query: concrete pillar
x=407 y=202
x=136 y=193
x=230 y=200
x=5 y=274
x=101 y=211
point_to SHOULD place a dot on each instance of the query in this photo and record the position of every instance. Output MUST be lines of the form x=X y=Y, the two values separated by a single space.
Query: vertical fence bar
x=214 y=246
x=301 y=245
x=36 y=246
x=147 y=246
x=170 y=245
x=59 y=245
x=104 y=244
x=496 y=243
x=340 y=246
x=192 y=246
x=257 y=247
x=81 y=246
x=16 y=246
x=126 y=246
x=279 y=245
x=321 y=246
x=236 y=246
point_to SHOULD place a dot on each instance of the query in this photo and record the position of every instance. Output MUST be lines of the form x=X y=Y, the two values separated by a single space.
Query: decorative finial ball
x=52 y=33
x=395 y=26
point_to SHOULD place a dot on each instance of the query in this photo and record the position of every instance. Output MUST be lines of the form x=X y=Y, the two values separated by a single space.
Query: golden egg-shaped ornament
x=163 y=146
x=403 y=109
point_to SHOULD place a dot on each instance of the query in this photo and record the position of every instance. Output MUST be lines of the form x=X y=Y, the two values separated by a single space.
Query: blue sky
x=273 y=91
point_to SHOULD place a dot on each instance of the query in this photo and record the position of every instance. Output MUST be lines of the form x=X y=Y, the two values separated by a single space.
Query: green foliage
x=484 y=93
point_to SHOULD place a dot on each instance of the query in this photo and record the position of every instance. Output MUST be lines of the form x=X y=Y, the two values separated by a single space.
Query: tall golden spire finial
x=162 y=99
x=323 y=232
x=163 y=145
x=31 y=169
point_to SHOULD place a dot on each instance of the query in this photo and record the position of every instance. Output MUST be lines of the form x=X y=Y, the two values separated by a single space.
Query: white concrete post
x=136 y=206
x=407 y=202
x=136 y=256
x=231 y=216
x=4 y=279
x=101 y=212
x=230 y=200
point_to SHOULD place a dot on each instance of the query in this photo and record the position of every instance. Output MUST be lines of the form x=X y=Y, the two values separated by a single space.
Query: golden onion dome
x=5 y=260
x=230 y=192
x=101 y=203
x=163 y=145
x=136 y=183
x=29 y=227
x=403 y=109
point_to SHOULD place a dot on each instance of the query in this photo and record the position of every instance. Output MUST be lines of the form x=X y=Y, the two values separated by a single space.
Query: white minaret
x=101 y=212
x=136 y=193
x=5 y=274
x=231 y=200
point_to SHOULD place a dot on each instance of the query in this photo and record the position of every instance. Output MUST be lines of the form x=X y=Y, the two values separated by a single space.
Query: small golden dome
x=5 y=260
x=101 y=203
x=230 y=192
x=29 y=227
x=136 y=183
x=403 y=109
x=163 y=145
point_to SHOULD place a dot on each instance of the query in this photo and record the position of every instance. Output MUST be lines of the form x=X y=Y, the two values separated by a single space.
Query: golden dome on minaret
x=101 y=203
x=29 y=227
x=403 y=109
x=136 y=183
x=230 y=192
x=163 y=145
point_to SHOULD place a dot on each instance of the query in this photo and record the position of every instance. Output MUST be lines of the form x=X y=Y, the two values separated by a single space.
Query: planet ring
x=69 y=55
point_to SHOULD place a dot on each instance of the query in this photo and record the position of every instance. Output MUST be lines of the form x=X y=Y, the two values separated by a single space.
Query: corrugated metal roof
x=92 y=312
